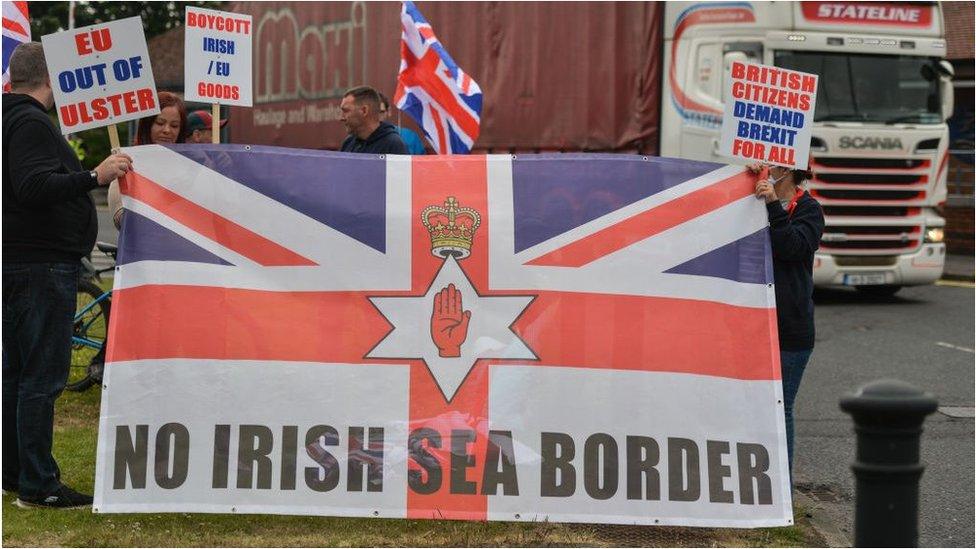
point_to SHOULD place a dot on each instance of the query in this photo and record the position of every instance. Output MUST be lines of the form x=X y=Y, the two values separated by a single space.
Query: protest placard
x=768 y=114
x=217 y=64
x=101 y=75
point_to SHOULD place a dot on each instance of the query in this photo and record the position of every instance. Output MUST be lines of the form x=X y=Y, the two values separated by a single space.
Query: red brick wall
x=959 y=207
x=958 y=18
x=959 y=229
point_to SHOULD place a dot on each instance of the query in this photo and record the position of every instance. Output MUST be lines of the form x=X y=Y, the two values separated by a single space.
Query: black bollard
x=888 y=417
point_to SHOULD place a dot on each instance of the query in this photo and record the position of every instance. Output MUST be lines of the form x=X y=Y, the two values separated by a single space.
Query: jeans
x=38 y=314
x=792 y=364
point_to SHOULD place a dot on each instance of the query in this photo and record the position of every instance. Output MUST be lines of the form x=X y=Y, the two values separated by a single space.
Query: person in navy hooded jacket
x=796 y=223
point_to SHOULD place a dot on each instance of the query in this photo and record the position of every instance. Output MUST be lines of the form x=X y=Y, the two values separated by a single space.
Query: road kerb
x=820 y=521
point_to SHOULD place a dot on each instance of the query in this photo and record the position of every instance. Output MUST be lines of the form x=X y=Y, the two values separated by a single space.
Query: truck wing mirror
x=945 y=69
x=946 y=72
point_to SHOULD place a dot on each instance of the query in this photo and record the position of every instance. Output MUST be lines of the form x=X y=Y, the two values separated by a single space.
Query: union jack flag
x=16 y=30
x=287 y=289
x=443 y=99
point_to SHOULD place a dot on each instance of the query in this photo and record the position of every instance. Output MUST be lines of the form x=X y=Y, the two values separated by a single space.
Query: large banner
x=577 y=338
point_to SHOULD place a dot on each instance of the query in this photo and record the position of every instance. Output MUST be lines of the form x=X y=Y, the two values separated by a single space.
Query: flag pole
x=71 y=26
x=215 y=123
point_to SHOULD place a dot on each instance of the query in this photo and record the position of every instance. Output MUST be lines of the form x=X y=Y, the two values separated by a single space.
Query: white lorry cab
x=880 y=141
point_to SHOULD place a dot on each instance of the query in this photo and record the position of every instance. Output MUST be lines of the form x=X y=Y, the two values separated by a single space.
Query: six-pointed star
x=489 y=331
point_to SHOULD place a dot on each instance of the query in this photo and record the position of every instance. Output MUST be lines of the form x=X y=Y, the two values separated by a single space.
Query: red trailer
x=556 y=76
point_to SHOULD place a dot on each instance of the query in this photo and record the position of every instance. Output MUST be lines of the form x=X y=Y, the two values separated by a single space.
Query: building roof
x=166 y=56
x=959 y=29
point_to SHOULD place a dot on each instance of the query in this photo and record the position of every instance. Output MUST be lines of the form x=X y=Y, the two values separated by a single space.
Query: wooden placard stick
x=113 y=138
x=115 y=188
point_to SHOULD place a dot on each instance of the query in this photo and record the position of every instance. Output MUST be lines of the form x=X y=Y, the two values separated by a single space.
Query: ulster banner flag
x=574 y=338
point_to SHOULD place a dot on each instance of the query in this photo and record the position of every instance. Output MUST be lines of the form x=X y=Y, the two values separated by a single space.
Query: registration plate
x=864 y=279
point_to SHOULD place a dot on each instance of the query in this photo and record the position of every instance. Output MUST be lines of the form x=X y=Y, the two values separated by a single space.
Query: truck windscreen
x=887 y=89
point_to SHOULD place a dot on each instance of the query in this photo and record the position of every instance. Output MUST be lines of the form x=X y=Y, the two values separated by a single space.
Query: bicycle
x=90 y=332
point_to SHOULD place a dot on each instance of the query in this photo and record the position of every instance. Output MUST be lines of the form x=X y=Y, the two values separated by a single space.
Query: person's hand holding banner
x=112 y=168
x=764 y=187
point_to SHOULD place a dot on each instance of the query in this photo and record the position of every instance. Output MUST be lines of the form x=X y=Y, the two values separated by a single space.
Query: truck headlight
x=934 y=235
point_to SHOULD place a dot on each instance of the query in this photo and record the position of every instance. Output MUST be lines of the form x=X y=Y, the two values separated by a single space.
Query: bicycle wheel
x=90 y=334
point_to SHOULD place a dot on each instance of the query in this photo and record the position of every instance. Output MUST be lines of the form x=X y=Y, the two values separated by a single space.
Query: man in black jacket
x=49 y=223
x=367 y=133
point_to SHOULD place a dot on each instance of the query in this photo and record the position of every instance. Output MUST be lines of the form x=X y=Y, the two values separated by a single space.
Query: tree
x=157 y=17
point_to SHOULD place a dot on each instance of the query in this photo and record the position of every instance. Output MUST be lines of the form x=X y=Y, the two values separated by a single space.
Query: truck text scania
x=880 y=141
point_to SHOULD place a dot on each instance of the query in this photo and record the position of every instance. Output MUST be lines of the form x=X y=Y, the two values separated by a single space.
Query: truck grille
x=852 y=181
x=841 y=194
x=870 y=178
x=870 y=211
x=888 y=192
x=872 y=246
x=871 y=239
x=875 y=163
x=866 y=260
x=874 y=230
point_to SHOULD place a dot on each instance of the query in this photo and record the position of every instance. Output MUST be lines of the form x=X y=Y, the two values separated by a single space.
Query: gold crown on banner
x=451 y=228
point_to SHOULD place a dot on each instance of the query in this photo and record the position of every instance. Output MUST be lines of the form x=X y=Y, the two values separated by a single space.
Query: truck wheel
x=886 y=290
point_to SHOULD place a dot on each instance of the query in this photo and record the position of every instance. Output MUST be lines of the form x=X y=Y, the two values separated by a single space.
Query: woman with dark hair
x=796 y=223
x=169 y=126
